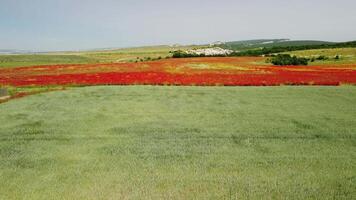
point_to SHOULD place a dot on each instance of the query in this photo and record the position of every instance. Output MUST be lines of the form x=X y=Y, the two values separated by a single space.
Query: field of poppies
x=241 y=71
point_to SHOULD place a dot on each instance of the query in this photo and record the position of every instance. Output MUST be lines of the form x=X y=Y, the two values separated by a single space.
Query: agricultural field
x=90 y=57
x=169 y=142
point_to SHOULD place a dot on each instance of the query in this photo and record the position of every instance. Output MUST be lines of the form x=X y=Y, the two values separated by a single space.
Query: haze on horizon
x=86 y=24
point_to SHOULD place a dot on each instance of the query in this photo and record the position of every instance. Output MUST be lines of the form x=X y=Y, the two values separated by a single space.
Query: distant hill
x=255 y=42
x=267 y=43
x=273 y=48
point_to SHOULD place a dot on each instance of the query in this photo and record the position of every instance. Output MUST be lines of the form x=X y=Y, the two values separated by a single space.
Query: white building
x=215 y=51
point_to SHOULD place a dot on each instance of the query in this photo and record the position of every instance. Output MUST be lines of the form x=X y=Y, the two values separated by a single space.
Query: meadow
x=346 y=55
x=90 y=57
x=168 y=142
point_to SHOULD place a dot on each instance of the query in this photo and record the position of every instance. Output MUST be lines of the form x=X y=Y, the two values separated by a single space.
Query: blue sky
x=42 y=25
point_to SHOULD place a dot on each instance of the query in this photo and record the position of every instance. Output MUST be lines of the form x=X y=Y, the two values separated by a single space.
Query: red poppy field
x=240 y=71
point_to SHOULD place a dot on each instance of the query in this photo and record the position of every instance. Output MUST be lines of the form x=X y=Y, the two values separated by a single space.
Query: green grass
x=15 y=91
x=42 y=59
x=89 y=57
x=152 y=142
x=347 y=55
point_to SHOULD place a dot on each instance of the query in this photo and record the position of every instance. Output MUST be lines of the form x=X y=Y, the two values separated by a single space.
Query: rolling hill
x=268 y=43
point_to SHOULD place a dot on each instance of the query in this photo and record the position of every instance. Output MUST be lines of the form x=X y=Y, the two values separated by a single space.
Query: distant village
x=213 y=51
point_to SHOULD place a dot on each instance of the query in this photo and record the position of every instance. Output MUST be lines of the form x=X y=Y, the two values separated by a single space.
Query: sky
x=50 y=25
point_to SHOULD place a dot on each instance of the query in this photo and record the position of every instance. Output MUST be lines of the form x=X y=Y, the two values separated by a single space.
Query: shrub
x=182 y=54
x=286 y=59
x=322 y=58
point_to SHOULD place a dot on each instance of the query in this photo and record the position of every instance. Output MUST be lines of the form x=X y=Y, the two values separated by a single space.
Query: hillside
x=267 y=43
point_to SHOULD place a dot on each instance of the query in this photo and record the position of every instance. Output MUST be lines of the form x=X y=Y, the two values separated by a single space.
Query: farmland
x=168 y=142
x=89 y=57
x=117 y=125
